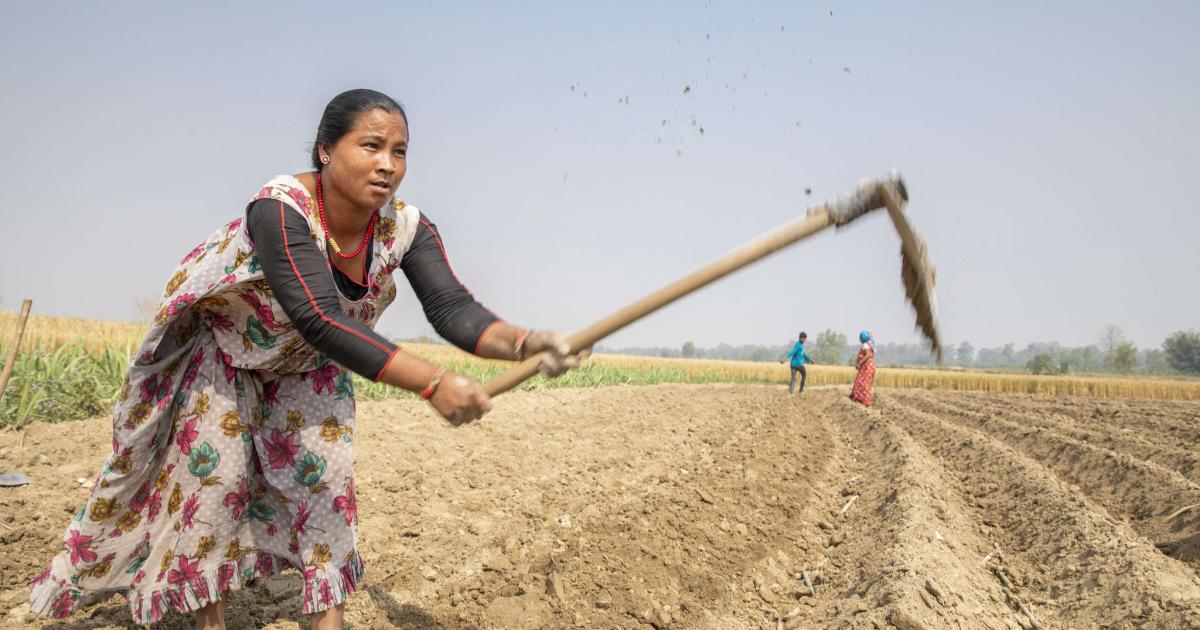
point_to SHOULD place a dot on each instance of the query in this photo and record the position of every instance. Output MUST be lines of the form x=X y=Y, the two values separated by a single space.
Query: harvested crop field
x=722 y=506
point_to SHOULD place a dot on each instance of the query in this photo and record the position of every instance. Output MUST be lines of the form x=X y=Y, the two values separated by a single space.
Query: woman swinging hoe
x=233 y=435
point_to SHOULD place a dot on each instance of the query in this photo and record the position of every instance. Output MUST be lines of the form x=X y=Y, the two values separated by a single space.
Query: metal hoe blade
x=917 y=272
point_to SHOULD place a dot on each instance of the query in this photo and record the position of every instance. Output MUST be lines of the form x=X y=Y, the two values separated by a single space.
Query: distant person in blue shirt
x=798 y=358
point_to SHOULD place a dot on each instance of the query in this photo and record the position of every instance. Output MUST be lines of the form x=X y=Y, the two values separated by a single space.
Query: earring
x=324 y=159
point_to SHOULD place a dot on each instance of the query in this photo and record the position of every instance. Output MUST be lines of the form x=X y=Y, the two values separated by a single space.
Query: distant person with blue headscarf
x=798 y=358
x=865 y=362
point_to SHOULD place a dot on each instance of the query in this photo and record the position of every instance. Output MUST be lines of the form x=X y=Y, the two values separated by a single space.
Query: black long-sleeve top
x=306 y=285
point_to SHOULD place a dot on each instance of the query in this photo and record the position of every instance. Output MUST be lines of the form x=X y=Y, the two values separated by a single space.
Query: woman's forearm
x=553 y=349
x=499 y=341
x=408 y=372
x=456 y=397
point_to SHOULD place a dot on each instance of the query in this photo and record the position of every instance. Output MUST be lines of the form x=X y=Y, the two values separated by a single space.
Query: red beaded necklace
x=336 y=249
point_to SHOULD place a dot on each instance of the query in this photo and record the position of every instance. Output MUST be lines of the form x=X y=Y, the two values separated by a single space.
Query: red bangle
x=431 y=388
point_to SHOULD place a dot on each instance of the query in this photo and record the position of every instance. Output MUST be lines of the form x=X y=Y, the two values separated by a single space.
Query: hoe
x=885 y=192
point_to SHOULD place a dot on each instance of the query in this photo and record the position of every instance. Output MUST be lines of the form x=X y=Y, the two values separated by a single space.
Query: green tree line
x=1112 y=352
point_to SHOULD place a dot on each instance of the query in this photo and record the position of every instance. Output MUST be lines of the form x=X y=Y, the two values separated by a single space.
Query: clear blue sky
x=1051 y=153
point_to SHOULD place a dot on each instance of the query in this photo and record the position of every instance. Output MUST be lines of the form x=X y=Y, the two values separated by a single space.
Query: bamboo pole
x=715 y=270
x=16 y=343
x=869 y=196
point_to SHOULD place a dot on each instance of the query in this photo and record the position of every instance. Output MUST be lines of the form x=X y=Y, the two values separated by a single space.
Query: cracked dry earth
x=723 y=507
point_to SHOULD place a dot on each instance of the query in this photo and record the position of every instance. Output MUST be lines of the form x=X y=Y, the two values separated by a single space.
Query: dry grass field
x=76 y=339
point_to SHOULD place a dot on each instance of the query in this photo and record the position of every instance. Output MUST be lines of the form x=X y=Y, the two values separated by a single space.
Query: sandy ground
x=723 y=507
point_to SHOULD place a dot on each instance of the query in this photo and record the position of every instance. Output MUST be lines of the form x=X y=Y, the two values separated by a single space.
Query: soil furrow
x=1137 y=442
x=1176 y=423
x=1079 y=566
x=909 y=555
x=1126 y=486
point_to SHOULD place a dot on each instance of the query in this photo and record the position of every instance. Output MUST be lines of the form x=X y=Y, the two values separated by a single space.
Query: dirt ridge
x=1079 y=564
x=1128 y=487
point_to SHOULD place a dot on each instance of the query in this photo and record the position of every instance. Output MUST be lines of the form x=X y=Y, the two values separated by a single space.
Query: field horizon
x=70 y=367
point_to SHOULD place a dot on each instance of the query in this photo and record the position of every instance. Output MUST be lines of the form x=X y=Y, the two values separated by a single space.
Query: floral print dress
x=232 y=451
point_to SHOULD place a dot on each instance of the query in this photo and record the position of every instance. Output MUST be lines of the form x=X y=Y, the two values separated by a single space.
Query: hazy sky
x=1051 y=153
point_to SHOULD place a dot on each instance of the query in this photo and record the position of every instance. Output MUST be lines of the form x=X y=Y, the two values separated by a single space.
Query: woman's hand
x=460 y=399
x=556 y=358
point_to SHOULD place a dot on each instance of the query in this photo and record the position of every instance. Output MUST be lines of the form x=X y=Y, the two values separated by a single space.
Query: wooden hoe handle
x=869 y=196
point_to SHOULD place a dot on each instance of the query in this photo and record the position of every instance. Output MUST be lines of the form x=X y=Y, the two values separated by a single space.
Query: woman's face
x=366 y=165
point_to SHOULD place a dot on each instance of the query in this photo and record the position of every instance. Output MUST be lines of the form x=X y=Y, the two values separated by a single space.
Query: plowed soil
x=722 y=507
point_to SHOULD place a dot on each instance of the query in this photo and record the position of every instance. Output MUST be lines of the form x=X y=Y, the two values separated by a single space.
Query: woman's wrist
x=505 y=342
x=434 y=382
x=518 y=352
x=409 y=373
